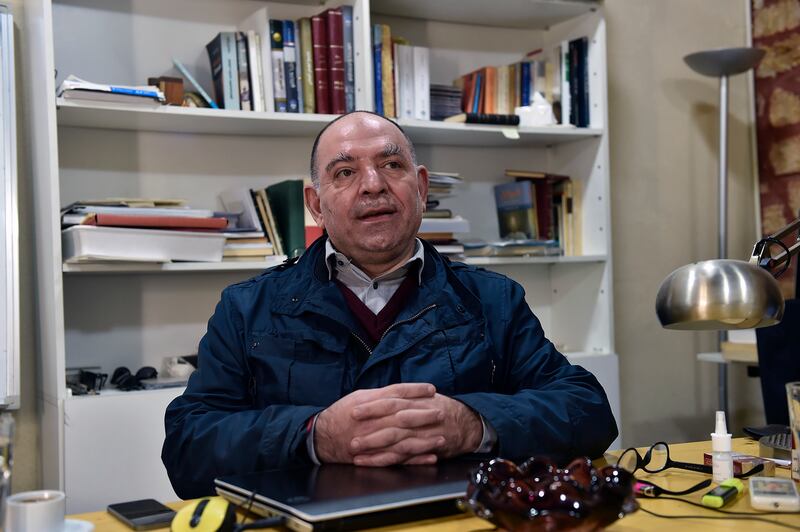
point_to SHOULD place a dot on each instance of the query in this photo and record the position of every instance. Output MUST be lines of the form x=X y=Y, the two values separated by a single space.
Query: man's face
x=371 y=196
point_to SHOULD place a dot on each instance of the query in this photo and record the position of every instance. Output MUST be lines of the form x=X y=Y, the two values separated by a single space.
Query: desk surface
x=671 y=479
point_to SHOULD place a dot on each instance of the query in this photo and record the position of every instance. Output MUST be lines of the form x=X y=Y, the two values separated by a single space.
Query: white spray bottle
x=721 y=459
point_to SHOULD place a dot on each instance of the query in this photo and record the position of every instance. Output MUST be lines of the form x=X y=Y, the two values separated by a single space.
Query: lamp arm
x=761 y=254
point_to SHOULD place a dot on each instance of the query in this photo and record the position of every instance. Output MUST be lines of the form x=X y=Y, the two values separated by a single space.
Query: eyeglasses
x=655 y=460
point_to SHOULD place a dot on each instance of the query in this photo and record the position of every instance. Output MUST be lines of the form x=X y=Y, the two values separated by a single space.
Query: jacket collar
x=306 y=287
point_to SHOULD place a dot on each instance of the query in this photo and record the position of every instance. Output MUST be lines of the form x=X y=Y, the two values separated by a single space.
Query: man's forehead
x=360 y=130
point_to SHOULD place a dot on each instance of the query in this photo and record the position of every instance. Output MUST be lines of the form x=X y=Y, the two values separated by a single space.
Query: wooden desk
x=671 y=479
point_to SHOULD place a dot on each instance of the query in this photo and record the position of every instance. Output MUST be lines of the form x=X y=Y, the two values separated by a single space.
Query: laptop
x=347 y=497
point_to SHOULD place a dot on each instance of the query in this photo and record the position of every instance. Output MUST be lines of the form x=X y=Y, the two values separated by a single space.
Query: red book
x=160 y=222
x=319 y=42
x=336 y=60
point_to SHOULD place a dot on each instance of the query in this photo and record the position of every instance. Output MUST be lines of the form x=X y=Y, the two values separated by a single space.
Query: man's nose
x=372 y=181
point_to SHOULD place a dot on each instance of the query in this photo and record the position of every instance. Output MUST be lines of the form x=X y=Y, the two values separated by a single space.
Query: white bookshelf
x=137 y=314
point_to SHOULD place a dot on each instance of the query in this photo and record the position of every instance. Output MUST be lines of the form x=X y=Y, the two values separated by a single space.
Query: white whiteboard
x=9 y=239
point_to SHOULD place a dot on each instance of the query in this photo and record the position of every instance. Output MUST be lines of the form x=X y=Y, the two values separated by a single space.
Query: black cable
x=747 y=516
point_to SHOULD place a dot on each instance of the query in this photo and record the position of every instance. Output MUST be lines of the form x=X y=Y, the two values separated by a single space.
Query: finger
x=411 y=418
x=386 y=407
x=399 y=441
x=409 y=390
x=423 y=459
x=379 y=459
x=380 y=439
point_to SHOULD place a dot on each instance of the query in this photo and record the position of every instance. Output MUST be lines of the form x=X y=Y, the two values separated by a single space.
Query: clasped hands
x=406 y=423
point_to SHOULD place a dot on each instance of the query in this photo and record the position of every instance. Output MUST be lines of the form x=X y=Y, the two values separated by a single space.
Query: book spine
x=307 y=65
x=319 y=38
x=574 y=88
x=502 y=105
x=214 y=49
x=387 y=69
x=476 y=100
x=377 y=60
x=483 y=118
x=336 y=76
x=525 y=83
x=278 y=74
x=254 y=62
x=298 y=44
x=583 y=60
x=230 y=70
x=566 y=104
x=177 y=222
x=244 y=72
x=290 y=66
x=349 y=60
x=422 y=83
x=490 y=86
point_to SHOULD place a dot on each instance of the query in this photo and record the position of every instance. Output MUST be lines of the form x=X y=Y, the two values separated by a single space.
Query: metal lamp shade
x=724 y=62
x=719 y=294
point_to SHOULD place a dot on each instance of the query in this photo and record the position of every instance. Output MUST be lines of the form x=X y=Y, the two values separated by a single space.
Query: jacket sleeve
x=213 y=429
x=543 y=405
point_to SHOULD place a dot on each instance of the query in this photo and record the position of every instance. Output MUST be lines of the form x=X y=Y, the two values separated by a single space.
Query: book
x=404 y=80
x=238 y=200
x=336 y=68
x=482 y=118
x=319 y=43
x=244 y=72
x=73 y=87
x=566 y=98
x=200 y=90
x=489 y=100
x=290 y=67
x=256 y=77
x=523 y=247
x=278 y=70
x=267 y=219
x=171 y=222
x=85 y=243
x=286 y=201
x=224 y=69
x=261 y=251
x=299 y=66
x=349 y=59
x=306 y=65
x=516 y=211
x=258 y=22
x=456 y=224
x=138 y=211
x=377 y=64
x=387 y=72
x=422 y=83
x=438 y=213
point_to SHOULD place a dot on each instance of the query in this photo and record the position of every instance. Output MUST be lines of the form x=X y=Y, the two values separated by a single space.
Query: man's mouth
x=376 y=214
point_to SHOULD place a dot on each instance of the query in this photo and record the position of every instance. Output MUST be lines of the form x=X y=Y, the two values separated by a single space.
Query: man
x=372 y=349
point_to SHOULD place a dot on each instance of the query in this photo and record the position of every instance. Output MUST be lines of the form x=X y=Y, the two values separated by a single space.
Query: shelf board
x=113 y=392
x=525 y=14
x=158 y=267
x=170 y=119
x=489 y=261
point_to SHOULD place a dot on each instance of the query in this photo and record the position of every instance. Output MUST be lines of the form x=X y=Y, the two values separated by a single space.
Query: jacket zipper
x=412 y=318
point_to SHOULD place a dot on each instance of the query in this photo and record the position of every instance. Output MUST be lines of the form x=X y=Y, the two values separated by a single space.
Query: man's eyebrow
x=391 y=149
x=340 y=157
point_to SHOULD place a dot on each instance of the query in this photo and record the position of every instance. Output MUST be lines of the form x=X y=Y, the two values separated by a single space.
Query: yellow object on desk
x=674 y=479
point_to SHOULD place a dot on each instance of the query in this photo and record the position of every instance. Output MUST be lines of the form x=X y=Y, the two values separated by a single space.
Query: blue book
x=516 y=210
x=476 y=100
x=290 y=66
x=377 y=37
x=225 y=69
x=349 y=67
x=525 y=83
x=278 y=72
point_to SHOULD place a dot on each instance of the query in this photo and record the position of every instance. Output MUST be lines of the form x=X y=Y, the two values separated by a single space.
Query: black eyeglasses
x=655 y=460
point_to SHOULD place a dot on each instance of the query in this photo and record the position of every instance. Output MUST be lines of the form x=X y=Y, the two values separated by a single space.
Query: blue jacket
x=283 y=346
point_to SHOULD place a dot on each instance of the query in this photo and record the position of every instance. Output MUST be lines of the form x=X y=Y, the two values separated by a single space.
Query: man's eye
x=346 y=172
x=393 y=164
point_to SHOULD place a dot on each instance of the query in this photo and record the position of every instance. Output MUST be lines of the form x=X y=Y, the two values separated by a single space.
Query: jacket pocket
x=473 y=358
x=295 y=371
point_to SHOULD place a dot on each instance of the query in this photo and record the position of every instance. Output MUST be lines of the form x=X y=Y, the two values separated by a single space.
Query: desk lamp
x=720 y=63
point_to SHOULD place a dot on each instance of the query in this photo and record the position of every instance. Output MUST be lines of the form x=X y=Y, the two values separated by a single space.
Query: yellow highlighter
x=723 y=494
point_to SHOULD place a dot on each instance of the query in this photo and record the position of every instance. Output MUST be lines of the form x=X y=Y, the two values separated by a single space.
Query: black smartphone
x=142 y=515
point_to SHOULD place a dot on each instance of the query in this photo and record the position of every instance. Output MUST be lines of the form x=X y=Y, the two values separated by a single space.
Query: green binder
x=286 y=202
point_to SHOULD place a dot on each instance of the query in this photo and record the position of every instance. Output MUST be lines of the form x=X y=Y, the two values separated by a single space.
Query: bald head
x=346 y=119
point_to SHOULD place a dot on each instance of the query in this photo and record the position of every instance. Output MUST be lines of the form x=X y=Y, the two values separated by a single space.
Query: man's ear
x=422 y=185
x=312 y=204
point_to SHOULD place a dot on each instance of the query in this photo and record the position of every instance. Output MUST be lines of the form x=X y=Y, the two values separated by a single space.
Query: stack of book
x=247 y=248
x=278 y=212
x=439 y=225
x=74 y=88
x=401 y=76
x=561 y=75
x=445 y=101
x=141 y=230
x=539 y=206
x=302 y=66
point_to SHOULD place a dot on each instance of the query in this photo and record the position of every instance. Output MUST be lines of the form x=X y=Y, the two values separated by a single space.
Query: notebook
x=346 y=497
